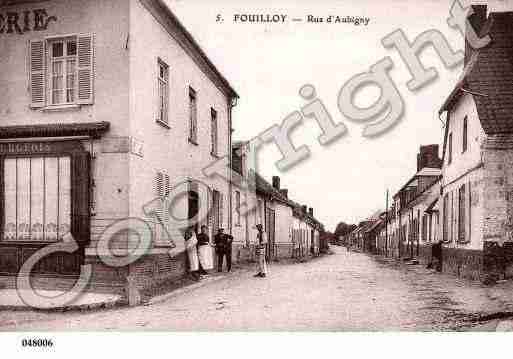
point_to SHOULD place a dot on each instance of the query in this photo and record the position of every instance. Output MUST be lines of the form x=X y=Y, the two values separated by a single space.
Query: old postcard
x=255 y=166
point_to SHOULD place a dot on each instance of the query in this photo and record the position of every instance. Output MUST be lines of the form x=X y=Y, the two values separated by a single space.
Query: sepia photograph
x=300 y=167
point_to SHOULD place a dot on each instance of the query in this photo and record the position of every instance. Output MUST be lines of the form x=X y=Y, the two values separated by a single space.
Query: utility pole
x=386 y=227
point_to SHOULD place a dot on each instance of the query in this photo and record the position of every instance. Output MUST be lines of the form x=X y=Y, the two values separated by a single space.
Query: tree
x=344 y=228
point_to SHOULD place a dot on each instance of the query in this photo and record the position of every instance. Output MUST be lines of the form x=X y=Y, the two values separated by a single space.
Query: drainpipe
x=231 y=104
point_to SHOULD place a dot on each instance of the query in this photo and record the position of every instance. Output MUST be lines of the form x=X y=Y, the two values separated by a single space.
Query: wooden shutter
x=37 y=73
x=221 y=210
x=81 y=198
x=85 y=69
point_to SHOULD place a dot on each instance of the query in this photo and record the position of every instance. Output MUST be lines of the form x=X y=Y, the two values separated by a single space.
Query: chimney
x=276 y=182
x=310 y=211
x=428 y=157
x=305 y=209
x=284 y=192
x=477 y=20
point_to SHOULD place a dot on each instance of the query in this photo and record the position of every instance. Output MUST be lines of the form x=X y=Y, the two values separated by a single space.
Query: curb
x=67 y=308
x=162 y=298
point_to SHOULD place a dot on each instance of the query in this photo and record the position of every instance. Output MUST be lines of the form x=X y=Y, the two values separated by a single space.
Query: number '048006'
x=37 y=343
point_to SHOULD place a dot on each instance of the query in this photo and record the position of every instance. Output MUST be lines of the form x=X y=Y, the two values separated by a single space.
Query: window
x=193 y=201
x=258 y=213
x=37 y=199
x=61 y=71
x=237 y=207
x=162 y=184
x=465 y=134
x=449 y=154
x=216 y=211
x=461 y=214
x=63 y=77
x=425 y=222
x=193 y=119
x=445 y=219
x=213 y=128
x=163 y=93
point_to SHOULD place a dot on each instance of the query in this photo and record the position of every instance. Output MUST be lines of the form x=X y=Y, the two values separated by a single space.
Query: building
x=292 y=230
x=410 y=226
x=476 y=204
x=106 y=108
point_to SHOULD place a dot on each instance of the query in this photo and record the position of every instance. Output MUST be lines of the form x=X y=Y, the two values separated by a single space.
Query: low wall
x=465 y=263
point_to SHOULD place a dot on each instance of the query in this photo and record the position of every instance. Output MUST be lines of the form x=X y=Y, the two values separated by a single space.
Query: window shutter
x=159 y=184
x=221 y=210
x=81 y=198
x=85 y=69
x=37 y=73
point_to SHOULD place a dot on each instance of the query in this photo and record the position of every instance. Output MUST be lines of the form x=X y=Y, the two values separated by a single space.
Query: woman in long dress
x=192 y=253
x=206 y=257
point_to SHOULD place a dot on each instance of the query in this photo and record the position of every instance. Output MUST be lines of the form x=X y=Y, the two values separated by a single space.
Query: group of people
x=200 y=255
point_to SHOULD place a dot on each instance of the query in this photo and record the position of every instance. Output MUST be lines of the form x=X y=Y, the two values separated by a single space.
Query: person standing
x=192 y=252
x=204 y=252
x=262 y=242
x=223 y=243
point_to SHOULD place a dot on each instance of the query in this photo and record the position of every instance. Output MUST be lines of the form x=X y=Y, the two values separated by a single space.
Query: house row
x=462 y=198
x=107 y=110
x=292 y=230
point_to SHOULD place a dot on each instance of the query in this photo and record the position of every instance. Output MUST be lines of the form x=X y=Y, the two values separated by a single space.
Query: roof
x=432 y=206
x=488 y=76
x=427 y=171
x=374 y=225
x=429 y=194
x=90 y=129
x=264 y=187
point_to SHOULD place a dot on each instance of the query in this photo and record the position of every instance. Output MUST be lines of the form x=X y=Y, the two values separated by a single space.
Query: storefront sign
x=13 y=22
x=24 y=148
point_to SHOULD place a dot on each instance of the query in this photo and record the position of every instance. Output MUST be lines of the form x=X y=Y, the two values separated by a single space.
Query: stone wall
x=464 y=263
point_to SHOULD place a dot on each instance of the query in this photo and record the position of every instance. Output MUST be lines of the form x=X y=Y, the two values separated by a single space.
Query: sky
x=267 y=64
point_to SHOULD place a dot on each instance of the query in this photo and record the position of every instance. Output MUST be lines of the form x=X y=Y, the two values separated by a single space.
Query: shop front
x=44 y=197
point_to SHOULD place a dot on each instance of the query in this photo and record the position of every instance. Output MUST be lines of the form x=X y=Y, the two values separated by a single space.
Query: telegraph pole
x=386 y=226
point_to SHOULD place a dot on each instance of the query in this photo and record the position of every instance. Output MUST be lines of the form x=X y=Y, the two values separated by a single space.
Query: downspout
x=231 y=104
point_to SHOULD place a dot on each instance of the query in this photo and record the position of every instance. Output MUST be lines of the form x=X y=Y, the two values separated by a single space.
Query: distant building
x=292 y=230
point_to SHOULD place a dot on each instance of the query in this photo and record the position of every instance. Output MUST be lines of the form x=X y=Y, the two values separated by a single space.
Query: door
x=271 y=230
x=36 y=195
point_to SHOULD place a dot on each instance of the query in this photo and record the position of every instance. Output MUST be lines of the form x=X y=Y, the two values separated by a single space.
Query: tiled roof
x=426 y=171
x=264 y=187
x=488 y=75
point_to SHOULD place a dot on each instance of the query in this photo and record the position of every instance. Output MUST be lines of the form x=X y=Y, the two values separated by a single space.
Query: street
x=345 y=291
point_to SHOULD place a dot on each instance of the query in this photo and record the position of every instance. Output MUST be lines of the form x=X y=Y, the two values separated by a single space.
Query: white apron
x=206 y=257
x=192 y=253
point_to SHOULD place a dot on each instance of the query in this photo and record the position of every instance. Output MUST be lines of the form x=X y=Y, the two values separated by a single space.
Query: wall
x=464 y=170
x=108 y=22
x=169 y=148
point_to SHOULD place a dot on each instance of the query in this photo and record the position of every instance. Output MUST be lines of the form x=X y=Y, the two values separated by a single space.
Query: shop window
x=37 y=199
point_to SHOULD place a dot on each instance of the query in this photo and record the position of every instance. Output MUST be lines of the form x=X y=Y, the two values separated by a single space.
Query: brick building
x=104 y=107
